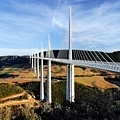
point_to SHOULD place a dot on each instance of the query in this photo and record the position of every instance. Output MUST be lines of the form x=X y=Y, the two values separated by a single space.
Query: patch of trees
x=59 y=77
x=33 y=88
x=115 y=56
x=58 y=92
x=7 y=75
x=18 y=113
x=13 y=60
x=8 y=90
x=90 y=104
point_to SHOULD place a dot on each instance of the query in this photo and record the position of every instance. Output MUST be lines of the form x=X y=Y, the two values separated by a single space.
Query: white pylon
x=70 y=94
x=49 y=74
x=42 y=80
x=32 y=60
x=38 y=67
x=70 y=35
x=35 y=63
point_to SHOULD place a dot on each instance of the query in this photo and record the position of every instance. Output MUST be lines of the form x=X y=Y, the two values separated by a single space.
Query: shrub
x=31 y=87
x=8 y=90
x=90 y=103
x=58 y=92
x=5 y=113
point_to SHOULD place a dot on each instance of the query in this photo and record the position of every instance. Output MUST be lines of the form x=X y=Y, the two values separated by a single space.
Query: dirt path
x=13 y=102
x=31 y=101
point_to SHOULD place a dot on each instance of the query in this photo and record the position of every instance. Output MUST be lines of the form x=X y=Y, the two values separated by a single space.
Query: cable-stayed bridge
x=71 y=57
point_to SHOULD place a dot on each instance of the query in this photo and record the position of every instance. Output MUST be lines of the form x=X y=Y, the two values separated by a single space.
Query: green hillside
x=115 y=56
x=90 y=104
x=13 y=60
x=23 y=60
x=8 y=90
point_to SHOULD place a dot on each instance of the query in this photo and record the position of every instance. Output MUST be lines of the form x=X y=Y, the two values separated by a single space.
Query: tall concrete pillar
x=49 y=74
x=32 y=60
x=70 y=94
x=49 y=82
x=68 y=83
x=38 y=67
x=34 y=63
x=42 y=80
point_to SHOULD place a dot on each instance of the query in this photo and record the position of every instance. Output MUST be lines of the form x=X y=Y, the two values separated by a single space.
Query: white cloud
x=8 y=51
x=24 y=25
x=98 y=24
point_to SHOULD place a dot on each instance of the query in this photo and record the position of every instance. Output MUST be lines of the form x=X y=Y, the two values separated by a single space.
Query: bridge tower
x=42 y=80
x=49 y=74
x=70 y=95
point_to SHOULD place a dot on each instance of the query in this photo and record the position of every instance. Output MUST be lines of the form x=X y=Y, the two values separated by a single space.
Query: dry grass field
x=19 y=75
x=84 y=76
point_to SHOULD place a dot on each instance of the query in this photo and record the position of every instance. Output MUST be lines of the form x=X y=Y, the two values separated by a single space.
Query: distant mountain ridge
x=115 y=56
x=11 y=60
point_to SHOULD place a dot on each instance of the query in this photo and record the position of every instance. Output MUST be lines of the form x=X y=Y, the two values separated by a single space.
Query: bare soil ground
x=19 y=76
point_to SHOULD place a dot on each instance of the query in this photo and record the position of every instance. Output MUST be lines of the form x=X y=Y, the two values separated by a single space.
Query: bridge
x=71 y=57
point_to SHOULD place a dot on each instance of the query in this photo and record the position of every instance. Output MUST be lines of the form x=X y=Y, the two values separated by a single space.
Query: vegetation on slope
x=90 y=103
x=23 y=97
x=115 y=56
x=58 y=92
x=8 y=90
x=18 y=113
x=13 y=60
x=32 y=88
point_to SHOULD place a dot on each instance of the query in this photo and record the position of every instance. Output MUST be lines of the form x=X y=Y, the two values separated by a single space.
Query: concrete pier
x=49 y=74
x=41 y=78
x=38 y=66
x=32 y=60
x=35 y=63
x=70 y=83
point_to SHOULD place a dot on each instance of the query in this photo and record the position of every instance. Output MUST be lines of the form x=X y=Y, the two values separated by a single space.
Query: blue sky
x=25 y=24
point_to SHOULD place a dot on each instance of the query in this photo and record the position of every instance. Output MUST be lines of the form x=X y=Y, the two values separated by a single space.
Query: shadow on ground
x=6 y=75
